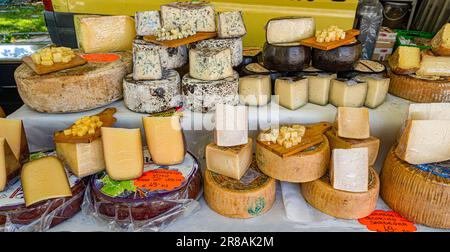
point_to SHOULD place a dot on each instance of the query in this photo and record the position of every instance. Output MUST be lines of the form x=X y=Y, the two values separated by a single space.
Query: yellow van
x=59 y=14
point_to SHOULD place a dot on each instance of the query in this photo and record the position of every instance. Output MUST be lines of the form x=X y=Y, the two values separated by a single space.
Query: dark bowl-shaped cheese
x=289 y=58
x=340 y=59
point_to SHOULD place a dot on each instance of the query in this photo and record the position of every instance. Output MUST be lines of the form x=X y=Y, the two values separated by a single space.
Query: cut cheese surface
x=165 y=139
x=146 y=62
x=44 y=179
x=292 y=92
x=348 y=93
x=434 y=66
x=319 y=88
x=232 y=162
x=429 y=111
x=349 y=170
x=377 y=89
x=405 y=60
x=13 y=131
x=9 y=165
x=199 y=15
x=231 y=125
x=230 y=24
x=289 y=29
x=122 y=149
x=441 y=41
x=255 y=90
x=210 y=63
x=353 y=123
x=83 y=159
x=147 y=22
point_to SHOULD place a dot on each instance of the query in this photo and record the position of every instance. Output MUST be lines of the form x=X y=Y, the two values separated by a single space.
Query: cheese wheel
x=341 y=59
x=284 y=58
x=302 y=167
x=420 y=89
x=249 y=197
x=81 y=88
x=420 y=193
x=341 y=204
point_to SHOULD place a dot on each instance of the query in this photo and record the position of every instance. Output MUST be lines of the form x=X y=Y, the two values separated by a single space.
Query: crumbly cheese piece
x=51 y=55
x=353 y=123
x=210 y=63
x=87 y=125
x=331 y=34
x=349 y=93
x=377 y=89
x=146 y=62
x=429 y=111
x=147 y=22
x=349 y=170
x=231 y=125
x=122 y=149
x=200 y=15
x=255 y=90
x=286 y=136
x=291 y=92
x=9 y=165
x=319 y=88
x=234 y=44
x=434 y=66
x=44 y=179
x=441 y=41
x=230 y=24
x=405 y=60
x=13 y=131
x=183 y=31
x=289 y=29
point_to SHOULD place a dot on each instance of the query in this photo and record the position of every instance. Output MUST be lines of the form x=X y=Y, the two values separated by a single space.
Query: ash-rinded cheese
x=202 y=96
x=153 y=96
x=231 y=125
x=377 y=89
x=429 y=111
x=235 y=45
x=146 y=63
x=349 y=170
x=9 y=165
x=147 y=22
x=210 y=63
x=170 y=57
x=230 y=25
x=255 y=90
x=289 y=29
x=200 y=15
x=291 y=92
x=353 y=123
x=348 y=93
x=434 y=66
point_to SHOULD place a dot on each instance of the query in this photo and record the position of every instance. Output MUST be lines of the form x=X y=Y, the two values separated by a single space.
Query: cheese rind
x=231 y=125
x=405 y=60
x=234 y=44
x=434 y=66
x=122 y=149
x=429 y=111
x=13 y=131
x=292 y=92
x=146 y=63
x=230 y=24
x=147 y=22
x=255 y=90
x=353 y=123
x=319 y=88
x=9 y=165
x=441 y=41
x=289 y=29
x=349 y=169
x=199 y=15
x=345 y=93
x=210 y=63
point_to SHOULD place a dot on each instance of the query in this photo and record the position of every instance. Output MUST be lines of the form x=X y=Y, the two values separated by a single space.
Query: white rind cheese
x=345 y=93
x=146 y=63
x=319 y=88
x=291 y=92
x=429 y=111
x=235 y=45
x=147 y=22
x=349 y=169
x=230 y=25
x=255 y=90
x=210 y=63
x=289 y=29
x=200 y=15
x=231 y=125
x=170 y=57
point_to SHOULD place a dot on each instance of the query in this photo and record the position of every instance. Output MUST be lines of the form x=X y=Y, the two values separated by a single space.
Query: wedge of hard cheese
x=434 y=66
x=441 y=41
x=349 y=170
x=9 y=165
x=353 y=123
x=13 y=131
x=429 y=111
x=289 y=29
x=405 y=60
x=231 y=125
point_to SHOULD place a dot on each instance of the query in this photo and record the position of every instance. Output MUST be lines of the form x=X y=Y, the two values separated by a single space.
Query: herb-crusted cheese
x=231 y=25
x=146 y=63
x=170 y=57
x=210 y=63
x=200 y=15
x=235 y=45
x=147 y=22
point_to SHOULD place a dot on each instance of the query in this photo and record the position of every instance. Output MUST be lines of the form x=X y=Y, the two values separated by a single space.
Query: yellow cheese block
x=122 y=149
x=9 y=165
x=44 y=179
x=165 y=139
x=13 y=131
x=83 y=159
x=405 y=60
x=353 y=123
x=441 y=41
x=232 y=162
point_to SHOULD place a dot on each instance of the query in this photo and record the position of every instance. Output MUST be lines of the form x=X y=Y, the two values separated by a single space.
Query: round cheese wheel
x=418 y=89
x=248 y=197
x=340 y=59
x=286 y=58
x=153 y=96
x=342 y=204
x=235 y=45
x=305 y=166
x=420 y=193
x=81 y=88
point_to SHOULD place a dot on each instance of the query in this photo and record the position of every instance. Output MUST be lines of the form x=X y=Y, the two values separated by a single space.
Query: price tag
x=160 y=179
x=101 y=57
x=387 y=221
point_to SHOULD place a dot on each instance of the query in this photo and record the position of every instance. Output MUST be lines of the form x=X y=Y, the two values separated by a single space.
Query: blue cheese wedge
x=231 y=24
x=146 y=63
x=199 y=15
x=170 y=57
x=147 y=22
x=210 y=63
x=235 y=45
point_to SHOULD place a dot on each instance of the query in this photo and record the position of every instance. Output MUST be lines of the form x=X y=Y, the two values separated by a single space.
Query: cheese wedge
x=377 y=89
x=349 y=170
x=122 y=150
x=353 y=123
x=289 y=29
x=348 y=93
x=319 y=88
x=441 y=41
x=44 y=179
x=291 y=92
x=434 y=66
x=231 y=125
x=255 y=90
x=429 y=111
x=13 y=131
x=405 y=60
x=9 y=165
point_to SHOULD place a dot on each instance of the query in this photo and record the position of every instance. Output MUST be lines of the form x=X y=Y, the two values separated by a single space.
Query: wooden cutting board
x=313 y=136
x=184 y=41
x=41 y=69
x=349 y=38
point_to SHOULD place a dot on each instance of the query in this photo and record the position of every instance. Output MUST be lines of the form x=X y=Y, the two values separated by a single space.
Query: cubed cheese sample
x=348 y=93
x=349 y=170
x=106 y=33
x=232 y=162
x=231 y=125
x=122 y=149
x=147 y=22
x=83 y=159
x=429 y=111
x=146 y=63
x=289 y=29
x=165 y=139
x=353 y=123
x=434 y=66
x=44 y=179
x=210 y=63
x=441 y=41
x=425 y=141
x=291 y=92
x=405 y=60
x=319 y=88
x=199 y=15
x=377 y=89
x=13 y=131
x=255 y=90
x=9 y=165
x=231 y=24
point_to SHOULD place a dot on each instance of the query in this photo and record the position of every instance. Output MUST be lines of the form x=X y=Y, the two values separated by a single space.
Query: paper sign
x=100 y=57
x=387 y=221
x=160 y=179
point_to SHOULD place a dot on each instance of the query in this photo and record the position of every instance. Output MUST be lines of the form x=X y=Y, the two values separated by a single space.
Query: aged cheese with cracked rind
x=9 y=165
x=424 y=141
x=340 y=204
x=230 y=24
x=106 y=33
x=147 y=22
x=200 y=15
x=429 y=111
x=348 y=93
x=353 y=123
x=377 y=89
x=165 y=139
x=13 y=131
x=249 y=197
x=231 y=161
x=202 y=96
x=255 y=90
x=153 y=96
x=234 y=44
x=286 y=58
x=146 y=63
x=83 y=159
x=434 y=66
x=170 y=57
x=349 y=169
x=405 y=60
x=301 y=167
x=231 y=125
x=122 y=149
x=420 y=193
x=441 y=41
x=289 y=29
x=291 y=92
x=210 y=63
x=43 y=179
x=319 y=88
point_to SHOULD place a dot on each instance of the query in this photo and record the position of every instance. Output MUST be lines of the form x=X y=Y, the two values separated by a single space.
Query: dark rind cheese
x=369 y=66
x=235 y=45
x=340 y=59
x=286 y=58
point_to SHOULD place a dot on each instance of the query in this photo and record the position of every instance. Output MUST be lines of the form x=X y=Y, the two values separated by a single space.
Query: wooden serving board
x=349 y=38
x=313 y=136
x=184 y=41
x=41 y=69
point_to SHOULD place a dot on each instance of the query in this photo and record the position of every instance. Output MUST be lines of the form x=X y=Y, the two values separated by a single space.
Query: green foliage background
x=22 y=18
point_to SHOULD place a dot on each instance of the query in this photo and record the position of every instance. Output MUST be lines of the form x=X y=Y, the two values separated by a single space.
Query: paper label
x=100 y=57
x=387 y=221
x=160 y=179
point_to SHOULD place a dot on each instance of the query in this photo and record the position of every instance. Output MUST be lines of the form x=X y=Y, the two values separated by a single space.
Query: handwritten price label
x=100 y=57
x=160 y=179
x=387 y=221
